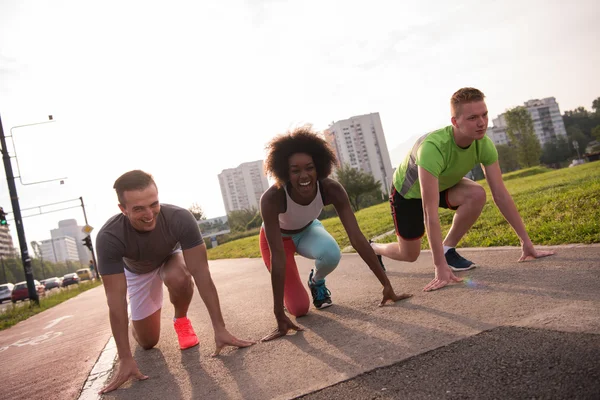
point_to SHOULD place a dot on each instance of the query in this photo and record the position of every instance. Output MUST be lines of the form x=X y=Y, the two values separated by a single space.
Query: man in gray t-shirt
x=149 y=244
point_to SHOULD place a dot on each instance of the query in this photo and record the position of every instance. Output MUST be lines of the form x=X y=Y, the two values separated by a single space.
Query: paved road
x=50 y=355
x=556 y=299
x=502 y=363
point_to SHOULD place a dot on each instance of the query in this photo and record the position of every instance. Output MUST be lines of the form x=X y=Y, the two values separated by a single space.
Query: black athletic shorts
x=408 y=214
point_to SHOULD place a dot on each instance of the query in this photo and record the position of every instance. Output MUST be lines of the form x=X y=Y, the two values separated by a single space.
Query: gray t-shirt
x=120 y=246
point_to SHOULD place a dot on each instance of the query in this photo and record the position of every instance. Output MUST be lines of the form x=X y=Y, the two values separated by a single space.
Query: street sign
x=575 y=144
x=87 y=229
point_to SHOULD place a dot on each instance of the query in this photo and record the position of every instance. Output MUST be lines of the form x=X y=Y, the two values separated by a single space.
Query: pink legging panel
x=295 y=297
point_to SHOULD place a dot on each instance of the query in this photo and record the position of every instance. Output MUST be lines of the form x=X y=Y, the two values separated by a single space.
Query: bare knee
x=177 y=283
x=408 y=250
x=412 y=256
x=479 y=195
x=148 y=345
x=145 y=342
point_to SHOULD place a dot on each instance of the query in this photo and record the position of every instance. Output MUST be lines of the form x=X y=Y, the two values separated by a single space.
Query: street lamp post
x=12 y=189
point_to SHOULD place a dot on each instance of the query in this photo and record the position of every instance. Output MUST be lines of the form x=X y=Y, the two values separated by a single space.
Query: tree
x=522 y=136
x=197 y=212
x=556 y=151
x=575 y=134
x=239 y=219
x=596 y=133
x=562 y=145
x=584 y=119
x=507 y=158
x=358 y=184
x=596 y=106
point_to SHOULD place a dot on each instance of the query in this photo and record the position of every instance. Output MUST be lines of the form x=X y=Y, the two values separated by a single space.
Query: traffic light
x=87 y=242
x=3 y=221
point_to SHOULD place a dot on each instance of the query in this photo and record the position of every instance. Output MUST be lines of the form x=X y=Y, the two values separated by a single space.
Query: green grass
x=18 y=313
x=557 y=206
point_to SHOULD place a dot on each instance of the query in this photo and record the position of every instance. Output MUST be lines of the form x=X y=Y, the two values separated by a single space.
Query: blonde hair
x=464 y=96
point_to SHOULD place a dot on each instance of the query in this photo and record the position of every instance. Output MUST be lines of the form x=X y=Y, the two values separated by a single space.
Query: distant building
x=7 y=249
x=59 y=249
x=547 y=122
x=69 y=227
x=242 y=187
x=359 y=141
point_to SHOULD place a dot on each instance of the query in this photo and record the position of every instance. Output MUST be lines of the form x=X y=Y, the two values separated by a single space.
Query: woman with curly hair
x=301 y=162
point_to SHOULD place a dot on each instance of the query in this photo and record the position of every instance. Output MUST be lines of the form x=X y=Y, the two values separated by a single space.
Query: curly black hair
x=299 y=140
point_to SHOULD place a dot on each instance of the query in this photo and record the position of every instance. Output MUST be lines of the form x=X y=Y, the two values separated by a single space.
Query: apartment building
x=360 y=142
x=241 y=187
x=547 y=122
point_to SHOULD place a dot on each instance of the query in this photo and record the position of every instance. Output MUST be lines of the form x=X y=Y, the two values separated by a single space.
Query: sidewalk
x=558 y=293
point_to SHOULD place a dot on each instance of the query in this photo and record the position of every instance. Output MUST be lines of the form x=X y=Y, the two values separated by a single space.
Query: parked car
x=20 y=291
x=6 y=291
x=52 y=283
x=84 y=274
x=70 y=279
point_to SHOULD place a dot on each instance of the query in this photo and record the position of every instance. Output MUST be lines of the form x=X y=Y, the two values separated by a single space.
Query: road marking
x=56 y=321
x=32 y=341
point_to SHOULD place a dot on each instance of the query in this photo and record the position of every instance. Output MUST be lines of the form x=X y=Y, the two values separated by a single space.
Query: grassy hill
x=558 y=207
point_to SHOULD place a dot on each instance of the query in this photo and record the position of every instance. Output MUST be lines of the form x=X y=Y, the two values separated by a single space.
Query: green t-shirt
x=438 y=154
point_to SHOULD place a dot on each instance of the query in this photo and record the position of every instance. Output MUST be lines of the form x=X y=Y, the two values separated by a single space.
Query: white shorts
x=145 y=292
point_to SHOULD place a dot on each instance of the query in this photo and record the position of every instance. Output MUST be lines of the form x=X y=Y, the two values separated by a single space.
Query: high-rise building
x=242 y=187
x=69 y=227
x=359 y=141
x=59 y=249
x=7 y=249
x=547 y=122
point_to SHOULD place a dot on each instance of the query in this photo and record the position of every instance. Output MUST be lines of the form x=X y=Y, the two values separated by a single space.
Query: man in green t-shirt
x=432 y=176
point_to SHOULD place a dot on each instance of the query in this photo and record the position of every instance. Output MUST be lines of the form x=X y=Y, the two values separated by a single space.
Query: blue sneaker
x=458 y=263
x=320 y=294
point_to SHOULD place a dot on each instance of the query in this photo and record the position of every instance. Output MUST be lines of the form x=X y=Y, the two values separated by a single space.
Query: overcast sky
x=185 y=89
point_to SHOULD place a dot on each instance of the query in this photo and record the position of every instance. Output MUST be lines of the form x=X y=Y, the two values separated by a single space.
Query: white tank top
x=297 y=216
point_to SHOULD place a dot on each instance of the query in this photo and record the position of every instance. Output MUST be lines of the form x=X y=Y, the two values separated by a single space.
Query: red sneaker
x=185 y=333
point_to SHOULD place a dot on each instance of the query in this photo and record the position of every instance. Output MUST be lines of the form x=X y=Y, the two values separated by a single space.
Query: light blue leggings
x=316 y=243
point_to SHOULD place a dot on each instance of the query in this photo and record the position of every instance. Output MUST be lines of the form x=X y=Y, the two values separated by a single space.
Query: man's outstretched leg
x=467 y=198
x=407 y=215
x=403 y=250
x=178 y=280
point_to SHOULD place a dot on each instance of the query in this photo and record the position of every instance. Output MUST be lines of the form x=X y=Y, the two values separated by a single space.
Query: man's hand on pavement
x=443 y=276
x=389 y=295
x=224 y=338
x=530 y=253
x=127 y=369
x=284 y=325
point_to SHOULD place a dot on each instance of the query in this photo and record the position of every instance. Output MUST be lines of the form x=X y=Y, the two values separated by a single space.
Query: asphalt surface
x=50 y=355
x=556 y=299
x=502 y=363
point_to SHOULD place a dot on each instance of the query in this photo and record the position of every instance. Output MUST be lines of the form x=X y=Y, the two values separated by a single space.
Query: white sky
x=185 y=89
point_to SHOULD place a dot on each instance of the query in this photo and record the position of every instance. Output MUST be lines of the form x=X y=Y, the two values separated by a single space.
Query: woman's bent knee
x=332 y=258
x=299 y=310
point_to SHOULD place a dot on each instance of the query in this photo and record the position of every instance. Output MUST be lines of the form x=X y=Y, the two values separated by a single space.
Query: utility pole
x=12 y=189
